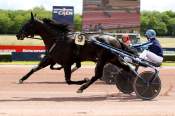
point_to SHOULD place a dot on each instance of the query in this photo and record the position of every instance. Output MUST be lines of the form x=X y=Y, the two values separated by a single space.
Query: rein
x=38 y=38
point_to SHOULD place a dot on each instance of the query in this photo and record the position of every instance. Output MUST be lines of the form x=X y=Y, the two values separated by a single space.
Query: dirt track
x=46 y=93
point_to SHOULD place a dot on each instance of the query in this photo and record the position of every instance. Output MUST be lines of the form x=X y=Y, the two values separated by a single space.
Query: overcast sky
x=29 y=4
x=159 y=5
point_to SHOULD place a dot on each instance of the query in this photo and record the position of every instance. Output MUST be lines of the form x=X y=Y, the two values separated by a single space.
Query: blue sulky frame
x=146 y=85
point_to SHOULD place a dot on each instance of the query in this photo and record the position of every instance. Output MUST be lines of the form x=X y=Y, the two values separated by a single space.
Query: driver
x=154 y=52
x=126 y=40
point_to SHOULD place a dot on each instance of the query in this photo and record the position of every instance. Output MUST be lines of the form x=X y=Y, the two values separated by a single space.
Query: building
x=111 y=15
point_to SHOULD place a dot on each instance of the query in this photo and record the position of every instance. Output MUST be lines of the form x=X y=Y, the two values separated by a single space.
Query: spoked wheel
x=124 y=82
x=146 y=89
x=110 y=72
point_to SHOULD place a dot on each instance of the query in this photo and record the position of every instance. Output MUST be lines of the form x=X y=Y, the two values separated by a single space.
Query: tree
x=171 y=26
x=5 y=23
x=161 y=29
x=162 y=22
x=144 y=24
x=11 y=21
x=78 y=22
x=18 y=20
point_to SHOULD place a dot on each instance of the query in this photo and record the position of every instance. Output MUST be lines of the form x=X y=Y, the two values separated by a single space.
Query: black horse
x=47 y=60
x=61 y=49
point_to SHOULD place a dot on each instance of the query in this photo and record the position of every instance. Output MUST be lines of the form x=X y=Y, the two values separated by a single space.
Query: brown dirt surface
x=46 y=93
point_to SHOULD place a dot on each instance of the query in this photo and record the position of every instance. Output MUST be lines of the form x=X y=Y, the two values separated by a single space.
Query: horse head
x=27 y=29
x=46 y=28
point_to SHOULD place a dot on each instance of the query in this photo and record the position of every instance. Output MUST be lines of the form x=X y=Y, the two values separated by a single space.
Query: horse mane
x=63 y=28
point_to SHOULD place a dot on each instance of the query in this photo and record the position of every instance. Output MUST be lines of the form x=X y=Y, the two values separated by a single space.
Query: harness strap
x=77 y=50
x=52 y=47
x=34 y=37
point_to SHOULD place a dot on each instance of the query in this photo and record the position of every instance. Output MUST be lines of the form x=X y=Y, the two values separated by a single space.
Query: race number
x=80 y=39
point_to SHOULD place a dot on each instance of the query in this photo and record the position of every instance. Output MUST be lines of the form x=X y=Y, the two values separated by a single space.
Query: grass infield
x=164 y=41
x=11 y=40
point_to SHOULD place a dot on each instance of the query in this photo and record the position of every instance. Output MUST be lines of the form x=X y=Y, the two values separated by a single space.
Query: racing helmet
x=126 y=39
x=150 y=33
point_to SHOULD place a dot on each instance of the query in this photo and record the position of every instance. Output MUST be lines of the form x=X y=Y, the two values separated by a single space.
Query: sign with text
x=63 y=14
x=8 y=48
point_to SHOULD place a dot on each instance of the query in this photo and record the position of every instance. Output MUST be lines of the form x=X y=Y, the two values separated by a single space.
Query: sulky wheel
x=110 y=71
x=146 y=89
x=124 y=82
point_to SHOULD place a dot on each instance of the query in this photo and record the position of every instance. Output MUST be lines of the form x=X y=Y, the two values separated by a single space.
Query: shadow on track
x=49 y=82
x=92 y=98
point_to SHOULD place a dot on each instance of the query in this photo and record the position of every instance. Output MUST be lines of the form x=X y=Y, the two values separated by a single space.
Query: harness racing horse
x=46 y=60
x=61 y=49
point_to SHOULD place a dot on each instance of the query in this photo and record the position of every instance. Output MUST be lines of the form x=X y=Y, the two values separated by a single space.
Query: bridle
x=33 y=37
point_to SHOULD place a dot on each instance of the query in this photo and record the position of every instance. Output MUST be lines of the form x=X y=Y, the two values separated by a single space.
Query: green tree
x=162 y=22
x=11 y=21
x=5 y=23
x=161 y=28
x=144 y=24
x=78 y=22
x=18 y=20
x=171 y=26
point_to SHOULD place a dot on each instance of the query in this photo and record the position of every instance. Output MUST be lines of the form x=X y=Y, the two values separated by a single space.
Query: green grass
x=168 y=64
x=12 y=40
x=164 y=41
x=20 y=63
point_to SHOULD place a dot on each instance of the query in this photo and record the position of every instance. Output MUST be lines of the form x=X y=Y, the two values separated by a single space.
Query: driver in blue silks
x=154 y=52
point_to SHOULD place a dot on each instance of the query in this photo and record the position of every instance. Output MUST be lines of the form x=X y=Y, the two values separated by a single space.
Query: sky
x=47 y=4
x=159 y=5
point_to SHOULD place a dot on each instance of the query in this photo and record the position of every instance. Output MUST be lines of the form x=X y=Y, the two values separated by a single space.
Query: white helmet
x=150 y=33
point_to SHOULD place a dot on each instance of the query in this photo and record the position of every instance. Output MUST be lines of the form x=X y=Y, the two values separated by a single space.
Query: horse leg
x=67 y=71
x=98 y=75
x=43 y=63
x=78 y=65
x=53 y=68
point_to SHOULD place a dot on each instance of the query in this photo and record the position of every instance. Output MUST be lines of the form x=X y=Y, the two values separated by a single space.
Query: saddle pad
x=80 y=39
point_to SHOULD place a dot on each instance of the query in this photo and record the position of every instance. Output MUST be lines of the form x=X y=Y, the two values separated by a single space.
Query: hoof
x=79 y=91
x=20 y=82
